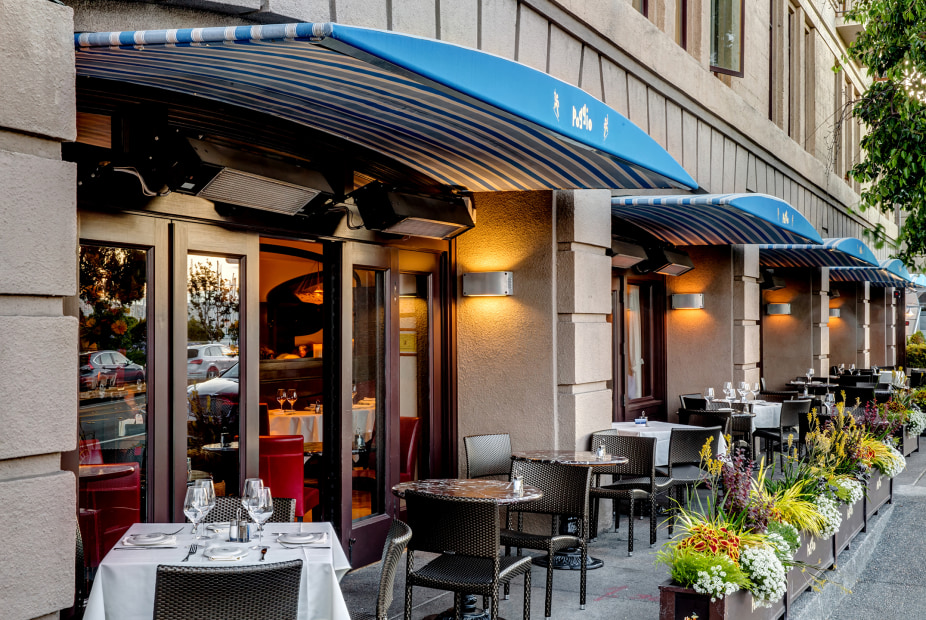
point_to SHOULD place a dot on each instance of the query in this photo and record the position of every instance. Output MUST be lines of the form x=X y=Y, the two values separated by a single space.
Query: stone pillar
x=788 y=345
x=881 y=306
x=849 y=334
x=583 y=303
x=820 y=317
x=38 y=344
x=893 y=309
x=746 y=308
x=863 y=325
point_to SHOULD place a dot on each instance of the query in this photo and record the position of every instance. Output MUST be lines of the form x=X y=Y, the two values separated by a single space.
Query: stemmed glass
x=208 y=498
x=842 y=369
x=742 y=389
x=709 y=396
x=756 y=388
x=194 y=504
x=281 y=397
x=809 y=374
x=260 y=507
x=728 y=390
x=292 y=397
x=829 y=401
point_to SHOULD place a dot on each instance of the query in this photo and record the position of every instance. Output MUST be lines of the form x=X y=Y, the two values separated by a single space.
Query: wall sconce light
x=688 y=301
x=488 y=284
x=777 y=309
x=834 y=313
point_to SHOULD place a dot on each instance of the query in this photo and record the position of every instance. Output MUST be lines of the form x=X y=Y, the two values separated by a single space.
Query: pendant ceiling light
x=310 y=289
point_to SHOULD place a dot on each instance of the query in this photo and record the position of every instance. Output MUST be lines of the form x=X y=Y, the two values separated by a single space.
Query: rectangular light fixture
x=777 y=309
x=688 y=301
x=226 y=175
x=413 y=215
x=487 y=284
x=665 y=261
x=625 y=255
x=834 y=312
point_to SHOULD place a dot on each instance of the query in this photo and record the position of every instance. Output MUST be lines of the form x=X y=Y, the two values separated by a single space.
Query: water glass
x=709 y=395
x=251 y=486
x=756 y=388
x=194 y=504
x=742 y=389
x=260 y=507
x=208 y=497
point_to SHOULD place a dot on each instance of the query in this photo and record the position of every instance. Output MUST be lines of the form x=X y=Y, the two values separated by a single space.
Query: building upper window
x=727 y=37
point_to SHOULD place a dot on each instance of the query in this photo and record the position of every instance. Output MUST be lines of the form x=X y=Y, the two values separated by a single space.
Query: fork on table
x=192 y=550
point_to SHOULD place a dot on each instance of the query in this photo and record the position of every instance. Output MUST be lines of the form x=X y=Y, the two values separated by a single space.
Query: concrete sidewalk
x=884 y=569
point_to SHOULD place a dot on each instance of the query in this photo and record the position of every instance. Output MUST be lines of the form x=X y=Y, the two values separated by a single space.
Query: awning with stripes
x=890 y=272
x=833 y=252
x=716 y=219
x=461 y=116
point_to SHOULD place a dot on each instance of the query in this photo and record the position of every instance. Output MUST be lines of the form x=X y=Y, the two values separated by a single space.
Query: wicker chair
x=226 y=509
x=465 y=532
x=684 y=467
x=778 y=396
x=565 y=493
x=396 y=541
x=269 y=592
x=789 y=424
x=693 y=401
x=487 y=455
x=637 y=479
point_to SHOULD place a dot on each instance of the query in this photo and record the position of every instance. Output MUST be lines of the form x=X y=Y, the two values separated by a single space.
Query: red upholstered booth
x=109 y=504
x=281 y=461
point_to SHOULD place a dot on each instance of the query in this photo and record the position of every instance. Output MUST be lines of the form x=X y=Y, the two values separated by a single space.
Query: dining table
x=570 y=558
x=501 y=491
x=308 y=423
x=125 y=581
x=662 y=432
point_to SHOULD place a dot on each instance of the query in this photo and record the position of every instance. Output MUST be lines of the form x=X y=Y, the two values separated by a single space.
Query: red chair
x=281 y=460
x=111 y=505
x=408 y=445
x=90 y=452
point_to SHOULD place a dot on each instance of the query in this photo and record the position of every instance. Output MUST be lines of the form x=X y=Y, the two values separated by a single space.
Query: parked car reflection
x=102 y=369
x=207 y=361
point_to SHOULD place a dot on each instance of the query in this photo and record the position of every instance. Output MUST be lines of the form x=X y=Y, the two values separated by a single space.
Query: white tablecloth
x=768 y=415
x=662 y=431
x=124 y=584
x=309 y=424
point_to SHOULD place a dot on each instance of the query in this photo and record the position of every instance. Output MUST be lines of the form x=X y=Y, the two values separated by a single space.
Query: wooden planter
x=880 y=491
x=909 y=443
x=677 y=603
x=854 y=521
x=815 y=552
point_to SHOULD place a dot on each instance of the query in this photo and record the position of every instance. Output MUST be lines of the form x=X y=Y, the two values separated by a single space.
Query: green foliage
x=916 y=355
x=892 y=45
x=788 y=532
x=916 y=338
x=685 y=564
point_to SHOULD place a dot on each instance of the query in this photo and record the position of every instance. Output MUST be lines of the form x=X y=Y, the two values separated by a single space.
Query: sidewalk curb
x=851 y=564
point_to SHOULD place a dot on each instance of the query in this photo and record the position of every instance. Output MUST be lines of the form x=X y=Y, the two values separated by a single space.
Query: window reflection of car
x=206 y=361
x=108 y=369
x=215 y=401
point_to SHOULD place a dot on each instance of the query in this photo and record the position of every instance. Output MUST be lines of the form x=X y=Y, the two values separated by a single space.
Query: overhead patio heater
x=665 y=261
x=414 y=215
x=226 y=175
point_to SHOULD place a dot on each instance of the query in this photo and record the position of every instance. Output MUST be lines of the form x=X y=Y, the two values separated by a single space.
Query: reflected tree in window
x=213 y=303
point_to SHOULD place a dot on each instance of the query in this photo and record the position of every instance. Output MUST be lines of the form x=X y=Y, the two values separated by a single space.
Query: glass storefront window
x=213 y=420
x=112 y=387
x=414 y=371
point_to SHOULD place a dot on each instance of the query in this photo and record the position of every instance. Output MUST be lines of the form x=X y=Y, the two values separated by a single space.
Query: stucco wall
x=787 y=343
x=848 y=343
x=506 y=345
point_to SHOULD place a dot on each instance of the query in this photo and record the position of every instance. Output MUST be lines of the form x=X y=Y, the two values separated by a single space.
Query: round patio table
x=501 y=491
x=570 y=559
x=88 y=473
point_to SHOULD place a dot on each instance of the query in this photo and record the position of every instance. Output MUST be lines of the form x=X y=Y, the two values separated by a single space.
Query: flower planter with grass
x=815 y=552
x=678 y=603
x=879 y=492
x=853 y=522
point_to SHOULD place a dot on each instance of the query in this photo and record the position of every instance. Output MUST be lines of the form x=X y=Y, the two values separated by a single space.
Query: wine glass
x=852 y=368
x=281 y=397
x=842 y=368
x=709 y=396
x=193 y=505
x=260 y=507
x=742 y=389
x=208 y=497
x=809 y=374
x=251 y=485
x=756 y=388
x=829 y=401
x=292 y=397
x=728 y=390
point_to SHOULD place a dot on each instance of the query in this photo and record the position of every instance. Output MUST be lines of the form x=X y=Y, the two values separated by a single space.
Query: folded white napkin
x=149 y=540
x=304 y=538
x=226 y=552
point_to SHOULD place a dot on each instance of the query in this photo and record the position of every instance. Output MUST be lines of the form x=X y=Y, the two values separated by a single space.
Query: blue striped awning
x=890 y=272
x=459 y=115
x=716 y=219
x=843 y=251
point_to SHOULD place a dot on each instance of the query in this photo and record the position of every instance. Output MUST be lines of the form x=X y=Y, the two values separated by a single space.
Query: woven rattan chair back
x=396 y=541
x=487 y=455
x=269 y=592
x=565 y=487
x=226 y=509
x=693 y=401
x=792 y=411
x=640 y=452
x=463 y=526
x=685 y=445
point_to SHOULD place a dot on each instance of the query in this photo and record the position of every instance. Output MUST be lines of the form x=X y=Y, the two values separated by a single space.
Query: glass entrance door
x=639 y=345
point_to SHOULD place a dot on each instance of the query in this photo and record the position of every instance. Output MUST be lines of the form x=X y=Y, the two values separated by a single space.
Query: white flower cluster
x=779 y=544
x=831 y=515
x=917 y=422
x=898 y=462
x=766 y=572
x=851 y=489
x=713 y=583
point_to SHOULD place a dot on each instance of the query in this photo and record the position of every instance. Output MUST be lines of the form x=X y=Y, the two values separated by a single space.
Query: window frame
x=742 y=37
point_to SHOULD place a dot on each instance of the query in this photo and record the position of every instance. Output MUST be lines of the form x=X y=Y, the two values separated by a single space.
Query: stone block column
x=38 y=344
x=583 y=303
x=881 y=306
x=892 y=326
x=746 y=308
x=820 y=317
x=863 y=325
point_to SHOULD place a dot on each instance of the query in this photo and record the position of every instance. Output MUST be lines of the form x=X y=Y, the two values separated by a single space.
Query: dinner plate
x=145 y=540
x=218 y=526
x=302 y=538
x=226 y=552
